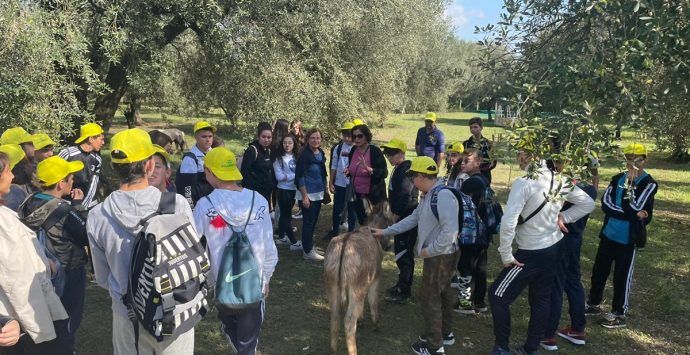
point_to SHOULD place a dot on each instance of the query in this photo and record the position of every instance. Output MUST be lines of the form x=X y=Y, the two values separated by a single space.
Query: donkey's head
x=381 y=217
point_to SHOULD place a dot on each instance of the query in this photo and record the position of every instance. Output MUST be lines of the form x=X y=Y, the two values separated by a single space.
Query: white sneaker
x=283 y=241
x=344 y=226
x=319 y=250
x=296 y=246
x=312 y=255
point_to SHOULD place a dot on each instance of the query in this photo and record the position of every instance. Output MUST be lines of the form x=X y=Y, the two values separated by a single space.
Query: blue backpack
x=473 y=230
x=239 y=285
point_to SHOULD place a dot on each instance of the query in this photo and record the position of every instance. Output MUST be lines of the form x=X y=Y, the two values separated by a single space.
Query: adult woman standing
x=367 y=172
x=310 y=179
x=27 y=295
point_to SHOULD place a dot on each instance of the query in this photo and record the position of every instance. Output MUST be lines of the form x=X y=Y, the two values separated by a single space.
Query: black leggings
x=286 y=199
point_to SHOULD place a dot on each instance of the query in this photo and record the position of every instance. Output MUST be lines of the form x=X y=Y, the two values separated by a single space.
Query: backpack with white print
x=169 y=272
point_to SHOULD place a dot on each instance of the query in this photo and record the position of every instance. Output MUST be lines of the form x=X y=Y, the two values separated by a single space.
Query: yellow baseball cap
x=430 y=116
x=89 y=130
x=14 y=152
x=163 y=153
x=456 y=147
x=203 y=125
x=222 y=163
x=424 y=165
x=358 y=122
x=51 y=170
x=42 y=140
x=396 y=143
x=15 y=135
x=134 y=143
x=347 y=126
x=635 y=148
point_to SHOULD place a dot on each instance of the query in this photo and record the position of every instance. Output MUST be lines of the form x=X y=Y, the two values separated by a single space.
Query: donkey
x=352 y=271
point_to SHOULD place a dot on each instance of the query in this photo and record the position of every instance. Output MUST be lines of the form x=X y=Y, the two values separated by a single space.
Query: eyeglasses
x=357 y=136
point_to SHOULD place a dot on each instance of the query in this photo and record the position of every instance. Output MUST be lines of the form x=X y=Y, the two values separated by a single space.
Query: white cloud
x=457 y=15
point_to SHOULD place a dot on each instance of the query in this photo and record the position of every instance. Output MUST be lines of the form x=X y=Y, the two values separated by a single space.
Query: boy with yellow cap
x=112 y=228
x=229 y=208
x=18 y=135
x=403 y=199
x=21 y=186
x=340 y=160
x=437 y=244
x=87 y=150
x=190 y=180
x=64 y=226
x=430 y=140
x=43 y=147
x=628 y=204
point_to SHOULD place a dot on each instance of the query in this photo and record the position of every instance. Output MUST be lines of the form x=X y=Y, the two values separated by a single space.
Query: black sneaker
x=397 y=298
x=521 y=351
x=330 y=236
x=593 y=310
x=392 y=290
x=480 y=308
x=421 y=348
x=448 y=339
x=613 y=321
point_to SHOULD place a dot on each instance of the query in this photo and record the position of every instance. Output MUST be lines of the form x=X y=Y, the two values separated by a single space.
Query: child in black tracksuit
x=403 y=199
x=628 y=203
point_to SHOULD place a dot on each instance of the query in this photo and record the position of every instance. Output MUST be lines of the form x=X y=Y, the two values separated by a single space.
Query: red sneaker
x=577 y=338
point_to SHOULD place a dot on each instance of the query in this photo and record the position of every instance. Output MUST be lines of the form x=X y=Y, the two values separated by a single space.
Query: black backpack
x=168 y=280
x=201 y=186
x=491 y=208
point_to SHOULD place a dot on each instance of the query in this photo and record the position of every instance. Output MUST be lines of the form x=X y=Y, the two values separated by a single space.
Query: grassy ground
x=297 y=313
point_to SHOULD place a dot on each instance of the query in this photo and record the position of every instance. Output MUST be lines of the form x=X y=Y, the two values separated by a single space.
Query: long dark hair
x=280 y=130
x=453 y=170
x=4 y=161
x=280 y=151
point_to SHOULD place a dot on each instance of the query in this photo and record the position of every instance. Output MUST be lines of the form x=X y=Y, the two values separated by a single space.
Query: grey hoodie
x=438 y=235
x=112 y=227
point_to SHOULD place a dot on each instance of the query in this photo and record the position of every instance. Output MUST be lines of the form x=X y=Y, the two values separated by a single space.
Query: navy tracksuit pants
x=537 y=273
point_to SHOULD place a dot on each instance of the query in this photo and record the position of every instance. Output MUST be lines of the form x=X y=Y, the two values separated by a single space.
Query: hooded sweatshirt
x=112 y=227
x=68 y=236
x=212 y=215
x=438 y=235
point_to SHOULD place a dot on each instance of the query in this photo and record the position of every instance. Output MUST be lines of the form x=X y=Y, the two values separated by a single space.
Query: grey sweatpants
x=123 y=341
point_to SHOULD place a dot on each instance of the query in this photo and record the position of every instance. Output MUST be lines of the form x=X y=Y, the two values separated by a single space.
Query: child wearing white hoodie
x=284 y=170
x=229 y=207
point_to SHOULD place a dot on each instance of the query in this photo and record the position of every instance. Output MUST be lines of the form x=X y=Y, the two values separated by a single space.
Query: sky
x=465 y=14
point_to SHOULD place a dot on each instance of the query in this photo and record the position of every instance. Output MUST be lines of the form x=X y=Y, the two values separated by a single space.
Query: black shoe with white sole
x=448 y=339
x=422 y=348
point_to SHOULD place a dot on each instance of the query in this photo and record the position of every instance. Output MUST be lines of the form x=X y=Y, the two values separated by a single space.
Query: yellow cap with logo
x=430 y=116
x=203 y=125
x=130 y=146
x=358 y=122
x=222 y=163
x=347 y=126
x=14 y=152
x=15 y=135
x=42 y=140
x=163 y=153
x=396 y=143
x=456 y=147
x=88 y=130
x=424 y=165
x=635 y=149
x=51 y=170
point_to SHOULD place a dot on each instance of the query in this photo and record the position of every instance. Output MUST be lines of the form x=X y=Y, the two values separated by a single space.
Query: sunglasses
x=357 y=136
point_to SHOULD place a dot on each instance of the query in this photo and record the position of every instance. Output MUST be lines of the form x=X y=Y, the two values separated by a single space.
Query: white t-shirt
x=340 y=163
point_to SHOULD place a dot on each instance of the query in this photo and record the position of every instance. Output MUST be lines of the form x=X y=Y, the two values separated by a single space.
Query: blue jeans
x=309 y=218
x=339 y=205
x=71 y=292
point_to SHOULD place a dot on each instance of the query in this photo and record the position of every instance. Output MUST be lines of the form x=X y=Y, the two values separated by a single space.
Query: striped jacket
x=87 y=179
x=642 y=199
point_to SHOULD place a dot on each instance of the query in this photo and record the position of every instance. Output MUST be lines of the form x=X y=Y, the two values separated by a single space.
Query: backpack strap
x=434 y=199
x=249 y=217
x=167 y=203
x=59 y=213
x=522 y=221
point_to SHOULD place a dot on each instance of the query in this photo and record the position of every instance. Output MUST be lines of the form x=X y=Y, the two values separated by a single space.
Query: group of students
x=51 y=214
